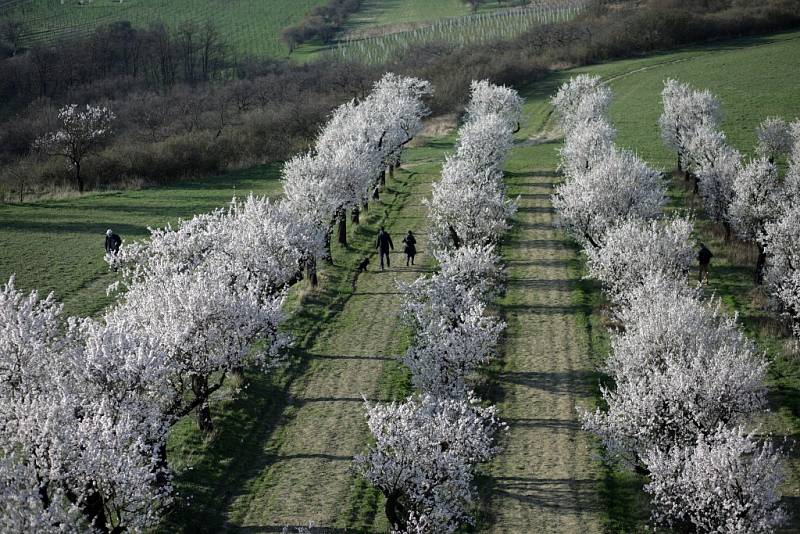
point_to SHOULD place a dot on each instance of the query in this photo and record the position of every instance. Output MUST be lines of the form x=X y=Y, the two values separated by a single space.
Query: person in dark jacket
x=113 y=242
x=704 y=259
x=383 y=245
x=410 y=247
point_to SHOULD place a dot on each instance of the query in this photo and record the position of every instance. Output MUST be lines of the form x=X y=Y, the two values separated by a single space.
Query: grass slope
x=249 y=26
x=57 y=245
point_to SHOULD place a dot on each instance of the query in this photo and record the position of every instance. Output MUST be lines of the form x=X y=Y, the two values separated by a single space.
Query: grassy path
x=308 y=477
x=546 y=479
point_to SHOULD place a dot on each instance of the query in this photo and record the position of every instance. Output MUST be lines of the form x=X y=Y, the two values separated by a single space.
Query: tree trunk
x=200 y=390
x=93 y=509
x=454 y=236
x=342 y=219
x=383 y=177
x=680 y=166
x=328 y=256
x=365 y=206
x=78 y=177
x=311 y=271
x=376 y=195
x=391 y=172
x=395 y=512
x=762 y=260
x=727 y=227
x=354 y=218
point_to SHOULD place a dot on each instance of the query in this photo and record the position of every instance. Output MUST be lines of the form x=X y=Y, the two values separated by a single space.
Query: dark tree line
x=320 y=24
x=155 y=58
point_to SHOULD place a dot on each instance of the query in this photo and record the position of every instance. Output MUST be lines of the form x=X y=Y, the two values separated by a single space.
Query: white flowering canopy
x=586 y=145
x=757 y=193
x=619 y=186
x=73 y=416
x=774 y=138
x=470 y=203
x=680 y=368
x=489 y=99
x=636 y=250
x=725 y=482
x=781 y=242
x=584 y=98
x=686 y=109
x=422 y=457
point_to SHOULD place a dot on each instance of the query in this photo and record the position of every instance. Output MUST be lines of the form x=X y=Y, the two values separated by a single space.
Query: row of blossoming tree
x=86 y=405
x=758 y=200
x=426 y=447
x=685 y=381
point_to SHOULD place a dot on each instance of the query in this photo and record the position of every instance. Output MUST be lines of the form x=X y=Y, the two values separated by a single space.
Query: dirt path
x=546 y=479
x=308 y=477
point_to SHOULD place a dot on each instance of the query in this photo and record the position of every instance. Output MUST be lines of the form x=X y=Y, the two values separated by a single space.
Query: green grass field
x=250 y=26
x=280 y=453
x=57 y=245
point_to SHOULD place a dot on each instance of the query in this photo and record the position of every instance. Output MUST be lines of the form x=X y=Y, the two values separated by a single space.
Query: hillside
x=281 y=452
x=250 y=27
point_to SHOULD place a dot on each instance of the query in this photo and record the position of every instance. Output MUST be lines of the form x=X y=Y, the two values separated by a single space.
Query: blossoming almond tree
x=680 y=369
x=774 y=138
x=468 y=205
x=757 y=194
x=716 y=165
x=584 y=98
x=22 y=508
x=635 y=250
x=781 y=243
x=73 y=413
x=619 y=186
x=585 y=146
x=685 y=109
x=79 y=134
x=422 y=457
x=476 y=267
x=489 y=99
x=725 y=482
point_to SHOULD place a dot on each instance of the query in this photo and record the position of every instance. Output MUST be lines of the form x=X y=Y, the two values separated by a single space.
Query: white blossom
x=619 y=186
x=585 y=146
x=468 y=205
x=685 y=110
x=781 y=242
x=635 y=250
x=757 y=193
x=582 y=99
x=774 y=138
x=716 y=165
x=726 y=482
x=476 y=267
x=21 y=506
x=422 y=457
x=680 y=368
x=489 y=99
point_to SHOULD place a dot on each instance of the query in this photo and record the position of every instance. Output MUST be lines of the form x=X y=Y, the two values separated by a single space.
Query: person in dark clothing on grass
x=704 y=259
x=383 y=245
x=410 y=247
x=113 y=242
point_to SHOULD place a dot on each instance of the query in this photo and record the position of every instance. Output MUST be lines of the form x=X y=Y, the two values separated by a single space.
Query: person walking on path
x=704 y=259
x=113 y=242
x=383 y=245
x=410 y=247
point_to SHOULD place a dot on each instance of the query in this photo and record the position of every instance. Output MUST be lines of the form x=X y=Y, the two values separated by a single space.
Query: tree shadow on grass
x=570 y=495
x=561 y=383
